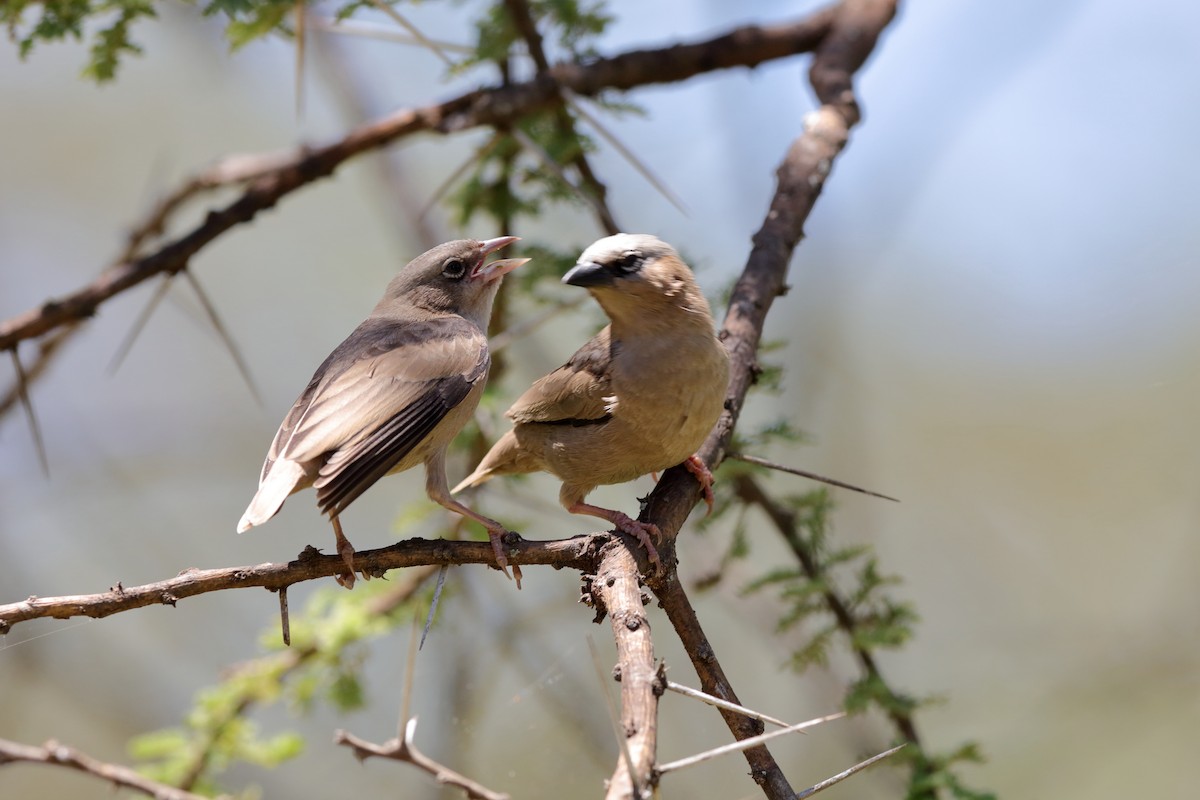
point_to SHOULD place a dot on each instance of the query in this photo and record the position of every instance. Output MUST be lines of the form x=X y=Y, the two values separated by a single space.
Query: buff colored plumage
x=637 y=398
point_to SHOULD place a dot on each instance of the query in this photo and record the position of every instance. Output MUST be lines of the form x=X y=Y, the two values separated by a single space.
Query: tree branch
x=404 y=750
x=60 y=755
x=851 y=37
x=750 y=492
x=615 y=590
x=497 y=106
x=577 y=552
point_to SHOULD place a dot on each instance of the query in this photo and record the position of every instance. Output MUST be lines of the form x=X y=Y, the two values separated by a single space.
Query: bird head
x=637 y=275
x=454 y=277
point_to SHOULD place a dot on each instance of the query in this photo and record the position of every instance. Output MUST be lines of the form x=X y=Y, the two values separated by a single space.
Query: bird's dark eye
x=454 y=268
x=630 y=261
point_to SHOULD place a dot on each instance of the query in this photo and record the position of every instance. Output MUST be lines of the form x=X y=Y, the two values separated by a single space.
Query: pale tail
x=282 y=479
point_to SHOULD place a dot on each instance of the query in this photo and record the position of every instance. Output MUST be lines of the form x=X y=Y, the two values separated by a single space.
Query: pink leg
x=642 y=531
x=346 y=551
x=439 y=492
x=704 y=476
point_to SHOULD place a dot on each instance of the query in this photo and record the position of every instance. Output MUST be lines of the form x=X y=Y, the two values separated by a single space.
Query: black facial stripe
x=630 y=262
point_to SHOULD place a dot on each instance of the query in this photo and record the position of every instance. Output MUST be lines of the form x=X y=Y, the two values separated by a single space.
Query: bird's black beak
x=588 y=274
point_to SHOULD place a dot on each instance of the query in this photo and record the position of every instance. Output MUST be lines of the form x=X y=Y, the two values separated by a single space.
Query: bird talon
x=642 y=532
x=704 y=477
x=499 y=538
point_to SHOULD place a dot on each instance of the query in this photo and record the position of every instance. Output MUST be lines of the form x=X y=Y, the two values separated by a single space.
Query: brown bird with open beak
x=394 y=393
x=639 y=397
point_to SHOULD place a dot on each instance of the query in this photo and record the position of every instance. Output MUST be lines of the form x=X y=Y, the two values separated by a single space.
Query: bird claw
x=642 y=532
x=497 y=538
x=704 y=477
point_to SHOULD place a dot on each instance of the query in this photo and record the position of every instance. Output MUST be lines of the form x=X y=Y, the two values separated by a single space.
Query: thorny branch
x=850 y=40
x=404 y=750
x=615 y=589
x=751 y=492
x=843 y=36
x=271 y=177
x=578 y=552
x=57 y=754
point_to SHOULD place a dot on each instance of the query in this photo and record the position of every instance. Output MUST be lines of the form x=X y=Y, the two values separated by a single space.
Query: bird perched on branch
x=639 y=397
x=394 y=393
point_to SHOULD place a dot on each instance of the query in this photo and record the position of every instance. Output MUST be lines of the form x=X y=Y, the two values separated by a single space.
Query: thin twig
x=841 y=776
x=763 y=462
x=744 y=744
x=285 y=622
x=370 y=30
x=414 y=31
x=48 y=346
x=139 y=324
x=403 y=750
x=23 y=393
x=640 y=166
x=704 y=697
x=56 y=754
x=539 y=152
x=210 y=311
x=433 y=604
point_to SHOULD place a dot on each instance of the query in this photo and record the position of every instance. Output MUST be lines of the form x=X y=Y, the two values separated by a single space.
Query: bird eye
x=454 y=268
x=630 y=261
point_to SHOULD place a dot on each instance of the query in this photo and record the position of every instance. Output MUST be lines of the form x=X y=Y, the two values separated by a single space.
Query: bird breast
x=666 y=395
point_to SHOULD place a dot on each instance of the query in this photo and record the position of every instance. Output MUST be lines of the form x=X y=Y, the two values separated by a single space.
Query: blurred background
x=993 y=318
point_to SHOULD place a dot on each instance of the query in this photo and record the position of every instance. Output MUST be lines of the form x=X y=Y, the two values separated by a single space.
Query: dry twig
x=578 y=552
x=841 y=776
x=57 y=754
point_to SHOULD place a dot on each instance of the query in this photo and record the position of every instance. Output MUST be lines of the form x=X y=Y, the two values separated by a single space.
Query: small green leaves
x=65 y=19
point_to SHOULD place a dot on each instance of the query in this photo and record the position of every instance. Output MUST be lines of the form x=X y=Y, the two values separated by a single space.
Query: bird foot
x=346 y=551
x=704 y=477
x=642 y=531
x=496 y=535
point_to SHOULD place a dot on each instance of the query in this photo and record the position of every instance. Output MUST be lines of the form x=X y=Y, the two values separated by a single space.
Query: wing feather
x=376 y=397
x=578 y=392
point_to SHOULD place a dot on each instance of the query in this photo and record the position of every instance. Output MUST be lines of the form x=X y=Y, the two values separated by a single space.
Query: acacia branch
x=57 y=754
x=577 y=552
x=404 y=750
x=751 y=493
x=615 y=590
x=523 y=21
x=850 y=39
x=500 y=106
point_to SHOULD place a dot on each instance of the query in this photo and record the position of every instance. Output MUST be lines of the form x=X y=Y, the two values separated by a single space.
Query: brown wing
x=375 y=398
x=574 y=393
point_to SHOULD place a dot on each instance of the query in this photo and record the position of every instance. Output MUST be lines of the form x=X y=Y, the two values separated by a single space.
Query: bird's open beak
x=588 y=274
x=497 y=269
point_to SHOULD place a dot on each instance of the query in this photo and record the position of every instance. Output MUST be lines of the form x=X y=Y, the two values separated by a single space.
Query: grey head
x=452 y=278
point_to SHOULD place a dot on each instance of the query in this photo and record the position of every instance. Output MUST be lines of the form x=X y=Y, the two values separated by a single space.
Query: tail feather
x=500 y=460
x=283 y=478
x=480 y=475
